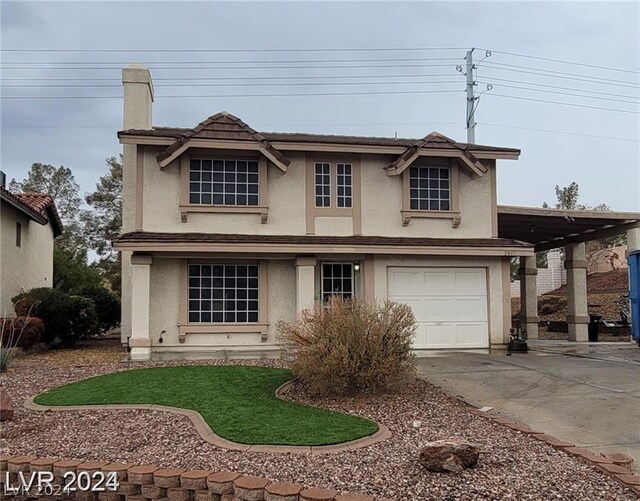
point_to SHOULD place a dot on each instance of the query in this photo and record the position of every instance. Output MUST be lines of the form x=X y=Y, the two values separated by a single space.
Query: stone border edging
x=208 y=435
x=143 y=482
x=602 y=463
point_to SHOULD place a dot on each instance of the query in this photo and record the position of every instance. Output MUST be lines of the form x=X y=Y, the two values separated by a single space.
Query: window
x=223 y=293
x=337 y=280
x=18 y=234
x=223 y=182
x=430 y=188
x=323 y=185
x=344 y=185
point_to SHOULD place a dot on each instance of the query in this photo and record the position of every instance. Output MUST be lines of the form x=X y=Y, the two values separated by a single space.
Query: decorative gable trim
x=431 y=145
x=223 y=130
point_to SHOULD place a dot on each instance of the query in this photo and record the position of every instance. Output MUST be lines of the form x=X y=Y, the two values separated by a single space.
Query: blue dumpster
x=634 y=294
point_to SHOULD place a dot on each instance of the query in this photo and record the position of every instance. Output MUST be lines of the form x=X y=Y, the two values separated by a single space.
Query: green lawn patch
x=237 y=402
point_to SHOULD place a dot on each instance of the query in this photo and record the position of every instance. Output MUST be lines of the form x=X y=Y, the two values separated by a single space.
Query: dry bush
x=345 y=347
x=20 y=332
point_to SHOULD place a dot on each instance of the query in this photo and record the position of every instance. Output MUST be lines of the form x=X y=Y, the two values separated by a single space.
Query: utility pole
x=471 y=123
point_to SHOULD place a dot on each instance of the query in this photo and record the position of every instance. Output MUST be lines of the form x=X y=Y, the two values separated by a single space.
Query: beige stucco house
x=29 y=222
x=227 y=230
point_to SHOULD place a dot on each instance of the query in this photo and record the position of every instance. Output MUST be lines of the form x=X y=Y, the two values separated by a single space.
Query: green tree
x=71 y=271
x=61 y=185
x=102 y=223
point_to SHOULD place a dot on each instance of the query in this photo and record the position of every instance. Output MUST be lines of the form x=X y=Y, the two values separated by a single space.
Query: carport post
x=528 y=273
x=577 y=312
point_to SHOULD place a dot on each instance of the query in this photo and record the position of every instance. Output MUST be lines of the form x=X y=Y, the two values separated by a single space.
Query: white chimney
x=138 y=97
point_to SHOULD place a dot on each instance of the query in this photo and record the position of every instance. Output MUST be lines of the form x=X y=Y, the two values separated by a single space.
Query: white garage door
x=450 y=305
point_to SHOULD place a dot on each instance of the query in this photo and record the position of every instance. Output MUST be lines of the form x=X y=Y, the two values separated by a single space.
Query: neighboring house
x=29 y=223
x=227 y=230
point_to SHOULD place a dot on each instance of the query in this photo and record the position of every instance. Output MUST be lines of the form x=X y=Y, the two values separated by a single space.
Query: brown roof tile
x=39 y=206
x=300 y=137
x=223 y=238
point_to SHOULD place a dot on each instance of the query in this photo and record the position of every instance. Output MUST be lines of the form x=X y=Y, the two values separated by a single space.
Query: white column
x=528 y=272
x=577 y=309
x=140 y=340
x=633 y=238
x=305 y=283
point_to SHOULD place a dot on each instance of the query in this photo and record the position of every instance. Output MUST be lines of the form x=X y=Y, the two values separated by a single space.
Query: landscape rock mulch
x=512 y=465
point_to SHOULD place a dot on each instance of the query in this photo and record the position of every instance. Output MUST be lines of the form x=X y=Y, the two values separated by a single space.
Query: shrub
x=67 y=318
x=20 y=332
x=107 y=305
x=346 y=347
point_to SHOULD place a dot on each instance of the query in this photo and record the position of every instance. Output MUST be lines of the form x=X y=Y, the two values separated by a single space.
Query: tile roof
x=223 y=126
x=224 y=238
x=299 y=137
x=39 y=206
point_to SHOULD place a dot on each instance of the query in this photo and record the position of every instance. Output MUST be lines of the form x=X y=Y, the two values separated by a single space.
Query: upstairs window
x=430 y=188
x=336 y=178
x=323 y=184
x=224 y=182
x=344 y=185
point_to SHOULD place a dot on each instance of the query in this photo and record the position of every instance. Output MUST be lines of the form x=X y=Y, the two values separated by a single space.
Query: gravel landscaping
x=512 y=465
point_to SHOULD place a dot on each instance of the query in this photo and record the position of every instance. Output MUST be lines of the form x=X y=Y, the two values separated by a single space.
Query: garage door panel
x=439 y=283
x=467 y=334
x=406 y=283
x=470 y=282
x=450 y=305
x=471 y=309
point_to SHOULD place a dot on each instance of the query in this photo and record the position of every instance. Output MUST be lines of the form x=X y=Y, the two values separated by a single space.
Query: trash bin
x=593 y=327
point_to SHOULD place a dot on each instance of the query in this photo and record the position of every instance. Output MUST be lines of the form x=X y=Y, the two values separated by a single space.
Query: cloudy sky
x=330 y=68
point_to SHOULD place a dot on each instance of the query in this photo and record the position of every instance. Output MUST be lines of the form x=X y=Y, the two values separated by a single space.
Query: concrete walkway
x=587 y=393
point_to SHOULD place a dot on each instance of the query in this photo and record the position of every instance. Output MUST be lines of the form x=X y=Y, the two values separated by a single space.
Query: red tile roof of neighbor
x=38 y=206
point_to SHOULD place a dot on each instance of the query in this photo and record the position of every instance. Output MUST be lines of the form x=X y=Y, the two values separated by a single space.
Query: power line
x=561 y=103
x=247 y=95
x=283 y=61
x=561 y=88
x=182 y=68
x=565 y=93
x=573 y=79
x=587 y=65
x=289 y=84
x=506 y=126
x=492 y=64
x=181 y=51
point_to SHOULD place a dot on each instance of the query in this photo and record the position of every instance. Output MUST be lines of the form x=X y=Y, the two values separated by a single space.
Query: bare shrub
x=345 y=347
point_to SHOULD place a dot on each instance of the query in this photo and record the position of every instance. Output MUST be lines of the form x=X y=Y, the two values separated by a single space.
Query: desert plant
x=66 y=318
x=346 y=347
x=107 y=305
x=12 y=336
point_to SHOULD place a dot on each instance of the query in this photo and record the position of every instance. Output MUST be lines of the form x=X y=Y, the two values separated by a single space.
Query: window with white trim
x=337 y=280
x=224 y=182
x=223 y=293
x=323 y=184
x=430 y=188
x=344 y=185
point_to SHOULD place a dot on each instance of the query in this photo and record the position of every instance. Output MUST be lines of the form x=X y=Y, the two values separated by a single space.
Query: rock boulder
x=449 y=456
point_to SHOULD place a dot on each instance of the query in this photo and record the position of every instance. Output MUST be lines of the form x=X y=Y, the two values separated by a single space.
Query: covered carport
x=549 y=229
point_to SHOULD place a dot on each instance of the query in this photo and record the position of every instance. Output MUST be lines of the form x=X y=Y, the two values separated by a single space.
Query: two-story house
x=29 y=223
x=227 y=230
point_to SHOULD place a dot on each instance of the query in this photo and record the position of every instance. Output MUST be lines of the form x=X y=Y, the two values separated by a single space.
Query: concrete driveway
x=588 y=394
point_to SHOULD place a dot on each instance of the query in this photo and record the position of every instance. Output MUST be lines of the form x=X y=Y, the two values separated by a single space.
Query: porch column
x=633 y=238
x=305 y=283
x=140 y=340
x=577 y=313
x=528 y=272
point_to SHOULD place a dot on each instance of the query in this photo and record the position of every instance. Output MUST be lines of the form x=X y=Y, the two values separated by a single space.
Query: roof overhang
x=33 y=214
x=307 y=244
x=552 y=228
x=471 y=164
